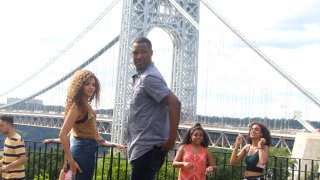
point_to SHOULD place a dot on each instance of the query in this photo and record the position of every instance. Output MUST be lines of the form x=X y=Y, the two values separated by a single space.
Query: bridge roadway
x=223 y=136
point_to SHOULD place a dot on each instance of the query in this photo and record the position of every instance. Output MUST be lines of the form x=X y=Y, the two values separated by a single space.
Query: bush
x=278 y=161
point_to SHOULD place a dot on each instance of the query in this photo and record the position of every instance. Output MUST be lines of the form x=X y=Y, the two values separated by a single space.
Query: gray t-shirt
x=148 y=120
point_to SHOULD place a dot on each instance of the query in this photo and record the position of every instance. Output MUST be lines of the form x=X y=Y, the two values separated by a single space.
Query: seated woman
x=255 y=152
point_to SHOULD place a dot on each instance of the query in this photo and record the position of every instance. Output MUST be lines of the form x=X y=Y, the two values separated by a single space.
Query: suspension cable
x=263 y=56
x=87 y=62
x=64 y=50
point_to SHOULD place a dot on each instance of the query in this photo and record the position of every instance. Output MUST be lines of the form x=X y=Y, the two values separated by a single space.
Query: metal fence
x=45 y=162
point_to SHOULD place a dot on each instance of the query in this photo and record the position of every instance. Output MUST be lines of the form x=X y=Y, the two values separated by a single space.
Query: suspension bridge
x=222 y=79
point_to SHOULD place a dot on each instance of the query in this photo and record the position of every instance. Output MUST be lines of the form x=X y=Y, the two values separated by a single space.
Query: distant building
x=30 y=101
x=12 y=100
x=34 y=101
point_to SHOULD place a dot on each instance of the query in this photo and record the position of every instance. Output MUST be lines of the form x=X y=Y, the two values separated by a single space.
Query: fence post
x=111 y=163
x=127 y=164
x=39 y=163
x=34 y=159
x=119 y=163
x=299 y=169
x=292 y=170
x=287 y=167
x=45 y=160
x=96 y=164
x=312 y=168
x=29 y=161
x=174 y=169
x=50 y=165
x=280 y=170
x=305 y=171
x=103 y=161
x=275 y=167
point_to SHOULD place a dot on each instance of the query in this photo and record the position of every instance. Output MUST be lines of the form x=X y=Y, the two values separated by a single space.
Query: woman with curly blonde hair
x=80 y=121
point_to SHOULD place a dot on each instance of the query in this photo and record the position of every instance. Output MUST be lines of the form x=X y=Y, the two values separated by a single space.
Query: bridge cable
x=79 y=37
x=263 y=56
x=270 y=62
x=90 y=60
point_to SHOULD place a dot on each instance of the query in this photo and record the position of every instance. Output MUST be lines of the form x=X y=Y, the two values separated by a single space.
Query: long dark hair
x=66 y=166
x=187 y=136
x=264 y=131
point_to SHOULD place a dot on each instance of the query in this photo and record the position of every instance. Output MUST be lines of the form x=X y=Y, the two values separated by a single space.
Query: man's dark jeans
x=146 y=166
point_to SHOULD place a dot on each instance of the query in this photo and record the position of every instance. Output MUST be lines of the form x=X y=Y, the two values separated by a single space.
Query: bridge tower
x=139 y=18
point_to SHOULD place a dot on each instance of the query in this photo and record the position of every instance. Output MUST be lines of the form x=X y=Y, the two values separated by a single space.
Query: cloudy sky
x=33 y=32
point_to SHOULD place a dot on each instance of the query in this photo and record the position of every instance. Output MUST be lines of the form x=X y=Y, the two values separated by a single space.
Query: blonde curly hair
x=75 y=90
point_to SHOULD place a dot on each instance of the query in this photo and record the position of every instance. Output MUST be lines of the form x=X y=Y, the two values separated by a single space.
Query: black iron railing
x=45 y=162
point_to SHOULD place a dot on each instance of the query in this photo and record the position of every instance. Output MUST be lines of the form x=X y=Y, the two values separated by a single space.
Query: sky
x=288 y=32
x=33 y=32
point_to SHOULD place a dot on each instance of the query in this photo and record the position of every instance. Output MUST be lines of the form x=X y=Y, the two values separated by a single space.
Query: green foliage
x=119 y=169
x=225 y=169
x=48 y=165
x=282 y=167
x=278 y=163
x=167 y=171
x=278 y=159
x=45 y=165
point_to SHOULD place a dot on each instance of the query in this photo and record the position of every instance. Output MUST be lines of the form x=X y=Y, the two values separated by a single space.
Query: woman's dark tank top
x=252 y=162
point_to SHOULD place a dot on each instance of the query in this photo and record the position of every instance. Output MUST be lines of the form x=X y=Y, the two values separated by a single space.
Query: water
x=38 y=134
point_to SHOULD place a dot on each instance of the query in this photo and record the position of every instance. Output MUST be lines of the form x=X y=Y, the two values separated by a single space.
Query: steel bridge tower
x=138 y=19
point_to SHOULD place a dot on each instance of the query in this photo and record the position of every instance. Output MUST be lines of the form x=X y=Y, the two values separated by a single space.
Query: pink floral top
x=200 y=163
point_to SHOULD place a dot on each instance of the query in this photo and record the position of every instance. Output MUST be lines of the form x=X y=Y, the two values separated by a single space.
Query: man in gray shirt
x=154 y=115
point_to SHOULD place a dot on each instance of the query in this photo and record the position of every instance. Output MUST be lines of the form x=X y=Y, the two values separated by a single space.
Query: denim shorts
x=83 y=151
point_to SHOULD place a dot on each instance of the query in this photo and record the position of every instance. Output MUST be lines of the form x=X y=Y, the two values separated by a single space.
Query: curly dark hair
x=187 y=136
x=265 y=133
x=66 y=166
x=76 y=87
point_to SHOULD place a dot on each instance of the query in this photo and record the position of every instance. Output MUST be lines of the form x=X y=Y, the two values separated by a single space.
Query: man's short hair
x=143 y=40
x=7 y=118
